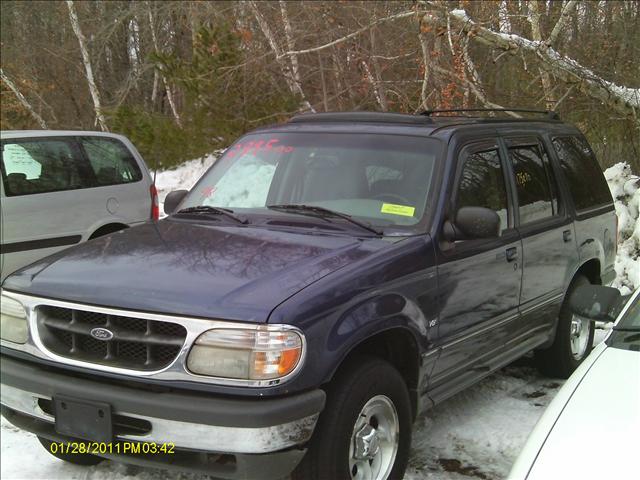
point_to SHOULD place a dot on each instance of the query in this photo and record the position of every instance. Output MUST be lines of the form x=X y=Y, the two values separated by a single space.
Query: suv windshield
x=382 y=180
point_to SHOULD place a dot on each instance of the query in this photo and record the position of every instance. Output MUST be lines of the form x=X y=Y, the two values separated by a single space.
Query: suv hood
x=192 y=269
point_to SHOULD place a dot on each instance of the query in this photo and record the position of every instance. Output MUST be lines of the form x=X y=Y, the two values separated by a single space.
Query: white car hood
x=597 y=433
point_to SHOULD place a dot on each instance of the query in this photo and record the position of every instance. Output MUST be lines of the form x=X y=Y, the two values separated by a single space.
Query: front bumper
x=243 y=428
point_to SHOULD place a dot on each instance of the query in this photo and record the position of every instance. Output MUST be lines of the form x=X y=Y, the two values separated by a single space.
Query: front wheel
x=364 y=432
x=573 y=341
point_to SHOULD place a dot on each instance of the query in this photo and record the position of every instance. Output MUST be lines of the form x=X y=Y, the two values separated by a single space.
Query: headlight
x=13 y=320
x=260 y=354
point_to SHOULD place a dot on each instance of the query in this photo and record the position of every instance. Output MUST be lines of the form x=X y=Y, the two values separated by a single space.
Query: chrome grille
x=136 y=344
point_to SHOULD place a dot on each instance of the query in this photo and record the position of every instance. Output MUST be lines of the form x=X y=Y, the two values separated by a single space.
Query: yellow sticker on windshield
x=394 y=209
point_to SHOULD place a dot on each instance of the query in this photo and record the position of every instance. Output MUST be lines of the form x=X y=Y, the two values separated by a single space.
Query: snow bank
x=625 y=189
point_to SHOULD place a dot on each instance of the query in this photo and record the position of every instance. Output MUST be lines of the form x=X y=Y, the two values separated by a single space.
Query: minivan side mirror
x=596 y=302
x=173 y=199
x=473 y=223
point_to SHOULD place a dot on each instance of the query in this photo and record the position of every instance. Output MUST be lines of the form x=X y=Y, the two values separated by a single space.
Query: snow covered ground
x=476 y=434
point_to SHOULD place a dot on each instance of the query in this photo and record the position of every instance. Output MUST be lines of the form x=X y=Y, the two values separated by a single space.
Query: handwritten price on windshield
x=259 y=146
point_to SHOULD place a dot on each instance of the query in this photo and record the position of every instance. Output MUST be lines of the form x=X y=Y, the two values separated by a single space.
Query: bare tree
x=86 y=60
x=533 y=17
x=290 y=76
x=167 y=88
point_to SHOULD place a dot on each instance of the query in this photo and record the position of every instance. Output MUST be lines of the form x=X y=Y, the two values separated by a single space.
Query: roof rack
x=551 y=115
x=369 y=117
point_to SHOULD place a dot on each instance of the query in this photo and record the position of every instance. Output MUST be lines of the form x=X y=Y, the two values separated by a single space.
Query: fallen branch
x=623 y=100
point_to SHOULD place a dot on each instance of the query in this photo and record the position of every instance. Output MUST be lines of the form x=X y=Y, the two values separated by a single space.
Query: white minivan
x=60 y=188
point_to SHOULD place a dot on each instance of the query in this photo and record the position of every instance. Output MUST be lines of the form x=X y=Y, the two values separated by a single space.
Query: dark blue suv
x=323 y=283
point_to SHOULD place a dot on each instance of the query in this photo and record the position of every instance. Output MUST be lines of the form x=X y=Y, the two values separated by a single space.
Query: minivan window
x=383 y=179
x=537 y=195
x=111 y=161
x=578 y=163
x=482 y=184
x=40 y=166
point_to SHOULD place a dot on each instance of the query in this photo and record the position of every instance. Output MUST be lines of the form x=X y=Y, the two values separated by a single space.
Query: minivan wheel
x=573 y=341
x=85 y=459
x=364 y=432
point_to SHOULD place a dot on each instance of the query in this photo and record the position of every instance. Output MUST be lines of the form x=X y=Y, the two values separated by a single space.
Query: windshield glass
x=380 y=179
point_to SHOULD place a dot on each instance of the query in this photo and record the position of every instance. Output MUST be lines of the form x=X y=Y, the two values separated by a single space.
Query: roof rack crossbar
x=550 y=114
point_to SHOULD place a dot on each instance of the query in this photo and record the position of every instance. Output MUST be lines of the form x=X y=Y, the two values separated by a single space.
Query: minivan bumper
x=255 y=438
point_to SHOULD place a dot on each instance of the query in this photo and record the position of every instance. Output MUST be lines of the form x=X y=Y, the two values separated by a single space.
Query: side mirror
x=596 y=302
x=473 y=223
x=173 y=199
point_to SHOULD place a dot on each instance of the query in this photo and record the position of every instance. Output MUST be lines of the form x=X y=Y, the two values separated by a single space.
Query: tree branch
x=12 y=86
x=351 y=35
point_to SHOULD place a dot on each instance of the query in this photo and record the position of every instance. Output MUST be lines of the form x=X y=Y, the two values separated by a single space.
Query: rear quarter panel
x=596 y=239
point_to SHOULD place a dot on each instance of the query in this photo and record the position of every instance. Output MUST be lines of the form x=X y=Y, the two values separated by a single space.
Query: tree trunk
x=23 y=100
x=533 y=18
x=86 y=60
x=381 y=95
x=167 y=88
x=289 y=75
x=293 y=58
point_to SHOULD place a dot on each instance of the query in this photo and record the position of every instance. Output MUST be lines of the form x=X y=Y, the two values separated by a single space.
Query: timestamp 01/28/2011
x=126 y=448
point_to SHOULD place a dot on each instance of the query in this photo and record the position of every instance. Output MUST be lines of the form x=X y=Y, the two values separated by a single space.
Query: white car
x=598 y=408
x=60 y=188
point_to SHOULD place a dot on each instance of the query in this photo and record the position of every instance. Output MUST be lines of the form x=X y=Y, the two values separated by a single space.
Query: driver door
x=478 y=280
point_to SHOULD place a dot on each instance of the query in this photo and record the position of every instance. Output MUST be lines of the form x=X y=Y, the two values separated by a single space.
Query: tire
x=84 y=459
x=559 y=359
x=370 y=382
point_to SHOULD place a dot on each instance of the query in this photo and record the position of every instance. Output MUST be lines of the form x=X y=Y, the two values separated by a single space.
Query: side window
x=111 y=162
x=40 y=166
x=578 y=163
x=537 y=193
x=482 y=184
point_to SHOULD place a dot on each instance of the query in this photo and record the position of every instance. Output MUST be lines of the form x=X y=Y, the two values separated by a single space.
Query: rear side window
x=482 y=184
x=587 y=184
x=535 y=184
x=40 y=166
x=112 y=163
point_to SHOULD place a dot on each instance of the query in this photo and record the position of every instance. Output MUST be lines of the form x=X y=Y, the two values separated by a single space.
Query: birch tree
x=12 y=86
x=290 y=73
x=86 y=60
x=167 y=88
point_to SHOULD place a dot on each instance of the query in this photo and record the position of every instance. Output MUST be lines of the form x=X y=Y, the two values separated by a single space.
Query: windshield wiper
x=207 y=209
x=324 y=212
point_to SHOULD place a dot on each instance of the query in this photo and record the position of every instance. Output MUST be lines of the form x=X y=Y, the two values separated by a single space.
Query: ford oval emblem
x=101 y=334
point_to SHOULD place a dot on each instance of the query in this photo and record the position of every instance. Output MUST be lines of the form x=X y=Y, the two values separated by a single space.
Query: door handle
x=512 y=254
x=566 y=236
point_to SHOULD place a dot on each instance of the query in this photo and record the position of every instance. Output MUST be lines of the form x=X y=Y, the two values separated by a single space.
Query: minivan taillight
x=155 y=204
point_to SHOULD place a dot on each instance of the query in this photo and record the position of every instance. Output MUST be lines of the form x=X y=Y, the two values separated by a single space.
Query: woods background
x=183 y=78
